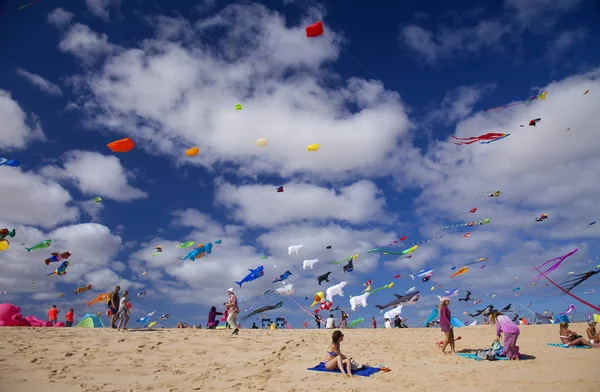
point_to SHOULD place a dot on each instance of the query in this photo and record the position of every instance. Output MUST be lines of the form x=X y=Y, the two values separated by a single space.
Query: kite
x=146 y=318
x=585 y=228
x=82 y=289
x=185 y=245
x=3 y=292
x=328 y=247
x=576 y=280
x=9 y=162
x=261 y=142
x=466 y=235
x=488 y=137
x=355 y=322
x=534 y=122
x=61 y=270
x=309 y=263
x=474 y=210
x=314 y=30
x=164 y=316
x=425 y=241
x=4 y=244
x=451 y=293
x=99 y=298
x=541 y=218
x=199 y=252
x=238 y=106
x=313 y=147
x=141 y=294
x=368 y=282
x=542 y=96
x=253 y=275
x=262 y=310
x=218 y=241
x=349 y=267
x=335 y=290
x=516 y=289
x=397 y=276
x=486 y=311
x=467 y=297
x=506 y=308
x=469 y=224
x=596 y=308
x=123 y=145
x=41 y=245
x=346 y=259
x=7 y=233
x=460 y=272
x=557 y=261
x=425 y=274
x=387 y=286
x=56 y=257
x=288 y=289
x=324 y=277
x=280 y=189
x=192 y=152
x=410 y=289
x=319 y=297
x=385 y=251
x=359 y=300
x=158 y=249
x=283 y=277
x=478 y=196
x=569 y=310
x=586 y=91
x=409 y=299
x=97 y=199
x=294 y=249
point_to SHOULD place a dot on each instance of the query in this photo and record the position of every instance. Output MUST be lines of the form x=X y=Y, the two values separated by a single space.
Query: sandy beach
x=77 y=359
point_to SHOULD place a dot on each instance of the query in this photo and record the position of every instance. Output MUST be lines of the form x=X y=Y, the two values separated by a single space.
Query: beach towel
x=365 y=371
x=565 y=346
x=474 y=356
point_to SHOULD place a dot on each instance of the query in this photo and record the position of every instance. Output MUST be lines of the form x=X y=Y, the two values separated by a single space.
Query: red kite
x=314 y=30
x=123 y=145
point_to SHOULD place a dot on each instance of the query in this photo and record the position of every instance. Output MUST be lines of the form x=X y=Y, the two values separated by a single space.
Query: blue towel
x=365 y=371
x=563 y=346
x=474 y=356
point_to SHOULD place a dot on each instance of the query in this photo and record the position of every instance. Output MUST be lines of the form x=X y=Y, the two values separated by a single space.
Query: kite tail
x=238 y=283
x=569 y=294
x=413 y=278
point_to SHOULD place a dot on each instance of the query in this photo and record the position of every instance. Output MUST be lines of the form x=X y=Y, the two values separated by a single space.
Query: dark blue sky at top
x=372 y=32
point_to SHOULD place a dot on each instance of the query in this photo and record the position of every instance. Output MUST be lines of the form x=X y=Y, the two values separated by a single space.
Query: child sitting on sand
x=592 y=335
x=570 y=338
x=212 y=318
x=335 y=358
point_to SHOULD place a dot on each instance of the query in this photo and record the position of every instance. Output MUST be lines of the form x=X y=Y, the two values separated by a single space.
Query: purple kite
x=557 y=260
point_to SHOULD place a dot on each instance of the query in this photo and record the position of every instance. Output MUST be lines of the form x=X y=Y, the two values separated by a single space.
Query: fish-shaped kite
x=283 y=277
x=541 y=218
x=409 y=299
x=288 y=289
x=482 y=139
x=262 y=310
x=82 y=289
x=199 y=252
x=97 y=199
x=146 y=318
x=61 y=270
x=41 y=245
x=569 y=310
x=185 y=244
x=253 y=275
x=7 y=233
x=534 y=122
x=460 y=272
x=56 y=257
x=425 y=274
x=9 y=162
x=141 y=294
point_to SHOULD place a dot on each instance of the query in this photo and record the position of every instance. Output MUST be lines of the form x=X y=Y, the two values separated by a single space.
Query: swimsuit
x=331 y=353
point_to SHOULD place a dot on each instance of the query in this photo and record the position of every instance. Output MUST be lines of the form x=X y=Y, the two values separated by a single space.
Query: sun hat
x=230 y=290
x=443 y=299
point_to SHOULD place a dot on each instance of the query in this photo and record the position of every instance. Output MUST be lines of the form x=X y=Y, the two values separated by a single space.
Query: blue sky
x=381 y=91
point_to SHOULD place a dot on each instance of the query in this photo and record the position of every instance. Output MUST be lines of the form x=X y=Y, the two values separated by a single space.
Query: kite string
x=301 y=307
x=566 y=292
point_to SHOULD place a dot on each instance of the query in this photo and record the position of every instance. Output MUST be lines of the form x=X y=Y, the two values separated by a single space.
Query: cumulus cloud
x=60 y=18
x=261 y=205
x=85 y=44
x=16 y=128
x=39 y=82
x=101 y=8
x=195 y=87
x=565 y=41
x=95 y=174
x=459 y=102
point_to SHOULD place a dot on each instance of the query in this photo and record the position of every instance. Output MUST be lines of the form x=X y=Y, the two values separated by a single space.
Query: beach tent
x=542 y=319
x=456 y=323
x=562 y=318
x=597 y=318
x=90 y=321
x=434 y=314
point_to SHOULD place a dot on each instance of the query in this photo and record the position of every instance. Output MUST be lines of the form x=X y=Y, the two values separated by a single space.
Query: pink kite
x=490 y=137
x=596 y=308
x=557 y=260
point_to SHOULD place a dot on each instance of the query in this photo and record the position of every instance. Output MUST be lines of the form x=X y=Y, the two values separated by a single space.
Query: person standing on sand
x=233 y=311
x=446 y=326
x=318 y=319
x=115 y=299
x=69 y=317
x=344 y=321
x=53 y=314
x=123 y=314
x=373 y=322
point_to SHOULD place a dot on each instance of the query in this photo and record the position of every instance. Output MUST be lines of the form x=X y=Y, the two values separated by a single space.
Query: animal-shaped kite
x=390 y=314
x=56 y=257
x=199 y=252
x=288 y=289
x=309 y=263
x=349 y=267
x=576 y=280
x=61 y=270
x=185 y=244
x=460 y=272
x=534 y=122
x=261 y=142
x=123 y=145
x=41 y=245
x=164 y=316
x=506 y=309
x=141 y=294
x=313 y=147
x=335 y=290
x=99 y=298
x=262 y=310
x=425 y=274
x=410 y=289
x=192 y=152
x=557 y=261
x=467 y=297
x=486 y=311
x=314 y=30
x=253 y=275
x=82 y=289
x=146 y=318
x=324 y=277
x=9 y=162
x=319 y=297
x=541 y=218
x=360 y=300
x=355 y=322
x=409 y=299
x=97 y=199
x=294 y=249
x=7 y=233
x=569 y=310
x=452 y=293
x=488 y=137
x=283 y=277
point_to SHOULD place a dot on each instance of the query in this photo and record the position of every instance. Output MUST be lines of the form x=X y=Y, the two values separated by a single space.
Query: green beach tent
x=90 y=321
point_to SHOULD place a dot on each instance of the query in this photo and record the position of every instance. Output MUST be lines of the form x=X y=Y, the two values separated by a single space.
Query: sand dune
x=75 y=359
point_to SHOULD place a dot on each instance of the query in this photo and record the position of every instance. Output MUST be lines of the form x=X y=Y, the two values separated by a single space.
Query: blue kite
x=200 y=251
x=283 y=277
x=254 y=274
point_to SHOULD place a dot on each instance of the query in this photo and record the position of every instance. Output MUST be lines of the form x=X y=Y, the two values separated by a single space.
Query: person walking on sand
x=446 y=326
x=113 y=305
x=233 y=311
x=69 y=317
x=123 y=314
x=53 y=314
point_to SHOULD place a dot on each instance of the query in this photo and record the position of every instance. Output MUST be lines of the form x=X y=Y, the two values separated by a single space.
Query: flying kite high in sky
x=192 y=152
x=477 y=196
x=123 y=145
x=596 y=308
x=534 y=122
x=541 y=218
x=9 y=162
x=314 y=30
x=486 y=138
x=476 y=223
x=262 y=310
x=425 y=241
x=460 y=272
x=587 y=227
x=253 y=275
x=557 y=261
x=7 y=233
x=199 y=252
x=542 y=96
x=396 y=253
x=62 y=270
x=41 y=245
x=261 y=142
x=575 y=280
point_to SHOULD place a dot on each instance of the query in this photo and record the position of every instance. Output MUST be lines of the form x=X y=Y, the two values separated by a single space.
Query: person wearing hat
x=446 y=325
x=233 y=311
x=591 y=333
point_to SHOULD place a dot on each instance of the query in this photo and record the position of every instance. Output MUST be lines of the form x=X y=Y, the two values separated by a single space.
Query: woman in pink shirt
x=446 y=325
x=511 y=334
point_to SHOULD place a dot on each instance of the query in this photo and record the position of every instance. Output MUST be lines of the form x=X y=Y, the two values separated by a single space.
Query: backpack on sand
x=487 y=354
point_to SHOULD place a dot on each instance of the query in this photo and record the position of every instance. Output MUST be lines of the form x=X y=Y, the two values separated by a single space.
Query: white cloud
x=565 y=41
x=46 y=203
x=60 y=18
x=16 y=129
x=261 y=205
x=86 y=45
x=195 y=88
x=95 y=174
x=458 y=103
x=538 y=15
x=101 y=8
x=41 y=83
